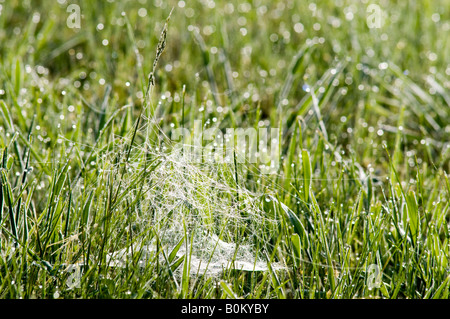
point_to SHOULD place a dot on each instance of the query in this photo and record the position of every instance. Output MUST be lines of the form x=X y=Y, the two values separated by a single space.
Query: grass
x=97 y=202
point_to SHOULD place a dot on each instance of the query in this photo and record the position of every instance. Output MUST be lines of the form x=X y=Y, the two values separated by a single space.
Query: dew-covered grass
x=98 y=199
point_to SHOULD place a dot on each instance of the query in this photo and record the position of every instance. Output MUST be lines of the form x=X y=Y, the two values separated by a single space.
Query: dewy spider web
x=198 y=203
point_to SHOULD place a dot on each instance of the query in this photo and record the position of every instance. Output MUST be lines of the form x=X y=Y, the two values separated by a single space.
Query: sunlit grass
x=96 y=201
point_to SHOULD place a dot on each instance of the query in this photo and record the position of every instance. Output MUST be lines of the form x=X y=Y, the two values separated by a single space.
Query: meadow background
x=96 y=203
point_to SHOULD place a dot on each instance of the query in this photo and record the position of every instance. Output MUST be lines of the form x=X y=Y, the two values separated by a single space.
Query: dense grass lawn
x=213 y=149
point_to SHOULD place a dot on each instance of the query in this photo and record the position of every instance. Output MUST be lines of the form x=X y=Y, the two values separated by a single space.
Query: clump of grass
x=159 y=50
x=96 y=200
